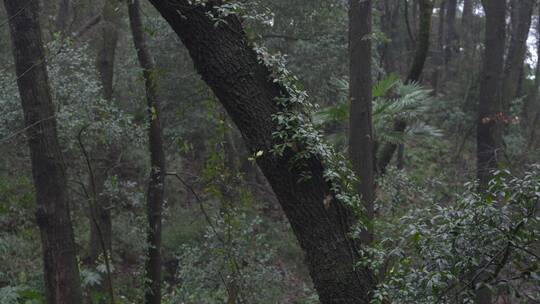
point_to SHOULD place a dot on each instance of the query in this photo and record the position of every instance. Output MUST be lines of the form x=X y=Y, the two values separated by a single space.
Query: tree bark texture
x=62 y=282
x=360 y=124
x=156 y=184
x=229 y=65
x=489 y=137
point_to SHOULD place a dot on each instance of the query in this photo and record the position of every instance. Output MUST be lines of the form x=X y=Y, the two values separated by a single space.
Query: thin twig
x=93 y=207
x=9 y=137
x=15 y=15
x=200 y=203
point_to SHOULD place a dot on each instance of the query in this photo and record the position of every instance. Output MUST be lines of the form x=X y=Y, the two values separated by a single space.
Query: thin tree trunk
x=105 y=67
x=106 y=53
x=466 y=25
x=389 y=25
x=421 y=53
x=438 y=72
x=422 y=46
x=229 y=65
x=156 y=184
x=489 y=137
x=451 y=44
x=62 y=282
x=62 y=17
x=88 y=26
x=531 y=110
x=440 y=30
x=361 y=133
x=101 y=223
x=513 y=70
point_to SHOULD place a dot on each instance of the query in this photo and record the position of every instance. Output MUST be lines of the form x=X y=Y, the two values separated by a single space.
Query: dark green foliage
x=225 y=238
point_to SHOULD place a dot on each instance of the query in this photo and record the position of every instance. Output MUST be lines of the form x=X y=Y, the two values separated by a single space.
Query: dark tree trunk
x=360 y=124
x=466 y=26
x=62 y=282
x=156 y=186
x=440 y=30
x=389 y=11
x=420 y=56
x=106 y=53
x=489 y=140
x=422 y=45
x=438 y=71
x=229 y=65
x=62 y=17
x=513 y=70
x=451 y=44
x=531 y=110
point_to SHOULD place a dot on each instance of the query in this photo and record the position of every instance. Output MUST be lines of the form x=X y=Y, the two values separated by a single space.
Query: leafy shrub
x=487 y=238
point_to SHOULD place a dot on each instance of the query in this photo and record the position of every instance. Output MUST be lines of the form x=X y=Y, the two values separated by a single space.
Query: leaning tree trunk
x=361 y=133
x=62 y=282
x=246 y=88
x=420 y=56
x=156 y=184
x=489 y=137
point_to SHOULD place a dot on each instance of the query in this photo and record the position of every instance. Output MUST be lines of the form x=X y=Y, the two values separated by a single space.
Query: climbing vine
x=296 y=130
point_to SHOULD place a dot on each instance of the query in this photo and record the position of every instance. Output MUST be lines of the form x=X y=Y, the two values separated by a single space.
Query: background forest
x=203 y=151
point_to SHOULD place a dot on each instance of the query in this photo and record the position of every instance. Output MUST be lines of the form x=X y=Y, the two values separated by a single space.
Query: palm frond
x=383 y=86
x=423 y=129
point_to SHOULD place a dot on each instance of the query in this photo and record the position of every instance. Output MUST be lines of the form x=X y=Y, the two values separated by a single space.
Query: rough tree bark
x=360 y=121
x=156 y=184
x=62 y=282
x=517 y=50
x=229 y=65
x=421 y=53
x=489 y=137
